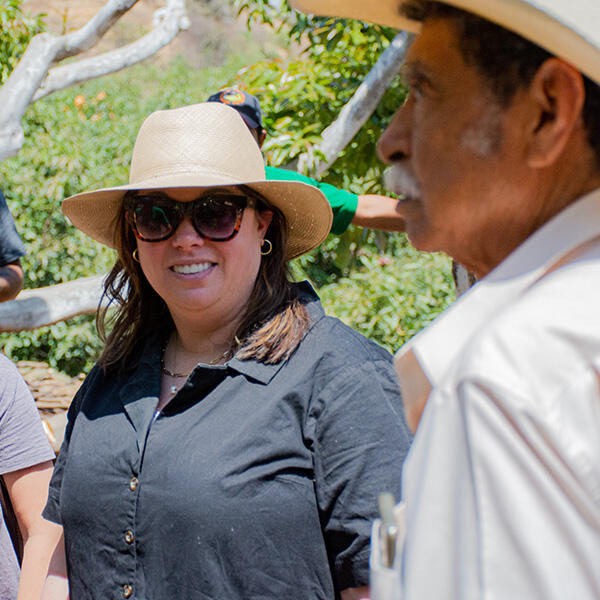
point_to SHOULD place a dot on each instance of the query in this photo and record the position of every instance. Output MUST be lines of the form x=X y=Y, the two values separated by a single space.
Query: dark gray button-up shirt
x=256 y=481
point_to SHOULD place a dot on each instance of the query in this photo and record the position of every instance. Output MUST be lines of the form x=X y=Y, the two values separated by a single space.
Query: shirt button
x=129 y=537
x=127 y=591
x=133 y=484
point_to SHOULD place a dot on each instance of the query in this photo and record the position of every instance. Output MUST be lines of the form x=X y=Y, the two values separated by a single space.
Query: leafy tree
x=301 y=96
x=16 y=31
x=39 y=65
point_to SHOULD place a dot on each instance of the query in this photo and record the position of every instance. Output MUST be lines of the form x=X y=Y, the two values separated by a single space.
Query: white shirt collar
x=422 y=362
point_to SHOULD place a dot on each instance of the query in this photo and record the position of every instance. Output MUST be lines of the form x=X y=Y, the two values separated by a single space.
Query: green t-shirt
x=343 y=203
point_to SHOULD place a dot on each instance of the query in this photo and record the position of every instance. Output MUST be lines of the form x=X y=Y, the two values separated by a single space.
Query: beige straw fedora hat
x=569 y=29
x=202 y=145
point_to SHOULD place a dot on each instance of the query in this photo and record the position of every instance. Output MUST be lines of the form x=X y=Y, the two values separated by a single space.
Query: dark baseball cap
x=246 y=104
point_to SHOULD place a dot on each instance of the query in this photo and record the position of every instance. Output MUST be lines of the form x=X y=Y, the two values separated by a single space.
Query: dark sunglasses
x=215 y=216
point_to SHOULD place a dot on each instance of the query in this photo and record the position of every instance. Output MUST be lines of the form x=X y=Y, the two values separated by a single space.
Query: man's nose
x=394 y=143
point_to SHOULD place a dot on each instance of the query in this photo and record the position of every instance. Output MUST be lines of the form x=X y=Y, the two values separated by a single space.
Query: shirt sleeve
x=11 y=246
x=343 y=203
x=52 y=510
x=361 y=441
x=23 y=442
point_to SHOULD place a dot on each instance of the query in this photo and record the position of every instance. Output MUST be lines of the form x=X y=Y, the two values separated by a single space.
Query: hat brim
x=306 y=210
x=569 y=30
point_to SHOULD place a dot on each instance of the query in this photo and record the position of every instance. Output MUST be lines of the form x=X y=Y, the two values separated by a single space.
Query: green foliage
x=301 y=96
x=391 y=297
x=16 y=30
x=69 y=346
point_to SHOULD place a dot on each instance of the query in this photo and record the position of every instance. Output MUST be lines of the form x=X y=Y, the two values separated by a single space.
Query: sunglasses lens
x=154 y=220
x=217 y=218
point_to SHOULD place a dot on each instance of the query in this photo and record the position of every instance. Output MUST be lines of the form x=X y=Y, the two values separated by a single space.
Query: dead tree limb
x=34 y=77
x=356 y=112
x=49 y=305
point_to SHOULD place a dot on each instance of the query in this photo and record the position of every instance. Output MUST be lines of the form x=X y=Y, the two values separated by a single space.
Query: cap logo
x=232 y=97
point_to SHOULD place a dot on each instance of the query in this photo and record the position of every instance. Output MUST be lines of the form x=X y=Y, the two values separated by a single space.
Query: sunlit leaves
x=16 y=29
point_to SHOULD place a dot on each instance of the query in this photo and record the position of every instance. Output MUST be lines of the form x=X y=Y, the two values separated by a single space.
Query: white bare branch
x=45 y=50
x=463 y=279
x=88 y=36
x=356 y=112
x=17 y=92
x=49 y=305
x=172 y=21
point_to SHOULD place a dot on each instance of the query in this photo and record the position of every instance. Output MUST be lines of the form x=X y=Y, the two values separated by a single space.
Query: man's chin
x=421 y=240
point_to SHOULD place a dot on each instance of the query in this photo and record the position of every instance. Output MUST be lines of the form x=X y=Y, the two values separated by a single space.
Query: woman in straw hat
x=228 y=443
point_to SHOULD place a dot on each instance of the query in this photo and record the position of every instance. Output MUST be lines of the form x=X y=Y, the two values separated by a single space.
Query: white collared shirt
x=502 y=485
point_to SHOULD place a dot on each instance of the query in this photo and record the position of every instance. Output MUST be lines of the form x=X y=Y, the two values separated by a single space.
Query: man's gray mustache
x=400 y=181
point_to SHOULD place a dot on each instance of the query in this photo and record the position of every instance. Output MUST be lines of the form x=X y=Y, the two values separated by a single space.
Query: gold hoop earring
x=264 y=253
x=135 y=255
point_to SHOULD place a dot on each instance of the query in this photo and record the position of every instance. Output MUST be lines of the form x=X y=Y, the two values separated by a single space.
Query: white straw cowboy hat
x=202 y=145
x=569 y=29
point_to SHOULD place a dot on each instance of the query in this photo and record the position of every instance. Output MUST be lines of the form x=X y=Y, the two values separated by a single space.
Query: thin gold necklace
x=166 y=371
x=176 y=375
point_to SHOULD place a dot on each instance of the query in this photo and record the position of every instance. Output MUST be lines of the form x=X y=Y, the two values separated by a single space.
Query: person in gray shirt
x=25 y=469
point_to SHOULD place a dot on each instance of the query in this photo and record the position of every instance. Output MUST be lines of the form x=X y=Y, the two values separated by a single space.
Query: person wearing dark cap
x=365 y=210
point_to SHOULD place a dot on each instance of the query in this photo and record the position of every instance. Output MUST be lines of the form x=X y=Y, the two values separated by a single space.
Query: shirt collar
x=422 y=362
x=262 y=372
x=150 y=355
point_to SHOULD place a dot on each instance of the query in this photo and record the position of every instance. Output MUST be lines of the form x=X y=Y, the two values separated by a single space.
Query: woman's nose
x=186 y=234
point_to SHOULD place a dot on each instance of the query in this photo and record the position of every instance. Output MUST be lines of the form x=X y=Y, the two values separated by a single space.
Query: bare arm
x=28 y=491
x=11 y=280
x=378 y=212
x=355 y=593
x=57 y=584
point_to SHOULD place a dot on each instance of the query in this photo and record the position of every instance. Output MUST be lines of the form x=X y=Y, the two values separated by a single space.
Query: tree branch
x=49 y=305
x=32 y=72
x=173 y=20
x=356 y=112
x=463 y=279
x=90 y=34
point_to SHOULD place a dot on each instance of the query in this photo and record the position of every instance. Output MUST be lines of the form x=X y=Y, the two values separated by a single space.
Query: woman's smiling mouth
x=195 y=268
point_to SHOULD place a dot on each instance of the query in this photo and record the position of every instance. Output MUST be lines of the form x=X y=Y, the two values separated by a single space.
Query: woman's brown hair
x=273 y=325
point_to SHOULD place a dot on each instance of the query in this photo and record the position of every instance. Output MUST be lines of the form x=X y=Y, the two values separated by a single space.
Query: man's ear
x=557 y=95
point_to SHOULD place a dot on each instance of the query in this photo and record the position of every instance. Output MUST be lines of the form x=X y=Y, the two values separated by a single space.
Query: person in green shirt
x=365 y=210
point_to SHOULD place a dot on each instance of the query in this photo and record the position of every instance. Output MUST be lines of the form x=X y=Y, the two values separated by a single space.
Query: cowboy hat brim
x=569 y=30
x=307 y=213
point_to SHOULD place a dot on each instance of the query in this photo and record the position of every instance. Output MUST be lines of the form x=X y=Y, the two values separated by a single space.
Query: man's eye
x=416 y=91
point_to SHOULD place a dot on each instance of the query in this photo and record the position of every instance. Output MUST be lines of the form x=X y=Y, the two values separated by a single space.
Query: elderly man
x=497 y=152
